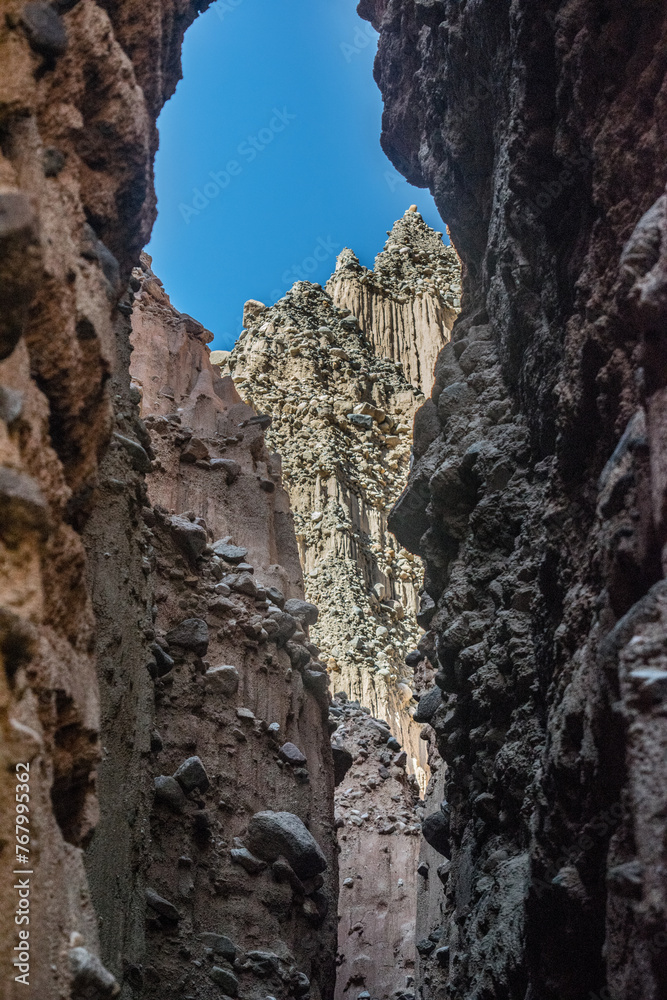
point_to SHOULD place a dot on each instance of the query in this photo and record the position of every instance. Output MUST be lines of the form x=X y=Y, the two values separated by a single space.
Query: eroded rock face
x=378 y=815
x=240 y=842
x=78 y=105
x=537 y=504
x=340 y=411
x=406 y=306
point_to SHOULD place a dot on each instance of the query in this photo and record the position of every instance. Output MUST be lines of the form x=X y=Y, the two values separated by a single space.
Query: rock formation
x=163 y=695
x=333 y=386
x=109 y=599
x=81 y=85
x=335 y=408
x=537 y=499
x=378 y=815
x=406 y=306
x=239 y=742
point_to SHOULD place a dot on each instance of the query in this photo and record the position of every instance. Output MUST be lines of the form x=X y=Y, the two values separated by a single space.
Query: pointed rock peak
x=415 y=253
x=411 y=232
x=252 y=310
x=347 y=259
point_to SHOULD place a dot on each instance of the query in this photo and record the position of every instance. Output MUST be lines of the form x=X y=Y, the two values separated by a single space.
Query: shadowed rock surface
x=538 y=506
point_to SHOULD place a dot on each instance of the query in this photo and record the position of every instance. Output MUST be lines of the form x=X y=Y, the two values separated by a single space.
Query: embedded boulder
x=272 y=834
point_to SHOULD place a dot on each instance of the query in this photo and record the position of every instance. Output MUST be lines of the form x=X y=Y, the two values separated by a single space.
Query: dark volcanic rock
x=435 y=830
x=537 y=503
x=342 y=759
x=428 y=705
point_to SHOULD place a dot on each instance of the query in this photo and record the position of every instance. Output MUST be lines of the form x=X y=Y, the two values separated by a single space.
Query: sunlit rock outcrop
x=341 y=418
x=406 y=306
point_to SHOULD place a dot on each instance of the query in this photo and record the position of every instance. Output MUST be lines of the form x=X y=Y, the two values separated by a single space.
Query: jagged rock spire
x=407 y=305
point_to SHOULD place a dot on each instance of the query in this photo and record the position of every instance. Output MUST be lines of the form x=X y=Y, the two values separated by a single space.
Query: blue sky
x=270 y=161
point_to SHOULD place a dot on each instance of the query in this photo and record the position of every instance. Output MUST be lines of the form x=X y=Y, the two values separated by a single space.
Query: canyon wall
x=179 y=818
x=81 y=85
x=238 y=863
x=537 y=497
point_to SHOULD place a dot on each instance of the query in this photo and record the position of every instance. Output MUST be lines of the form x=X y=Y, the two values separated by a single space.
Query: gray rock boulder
x=303 y=611
x=192 y=774
x=272 y=834
x=226 y=980
x=191 y=634
x=291 y=754
x=223 y=680
x=162 y=905
x=219 y=944
x=190 y=537
x=230 y=553
x=168 y=791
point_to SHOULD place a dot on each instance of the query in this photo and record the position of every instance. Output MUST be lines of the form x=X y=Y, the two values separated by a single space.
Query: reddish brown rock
x=378 y=815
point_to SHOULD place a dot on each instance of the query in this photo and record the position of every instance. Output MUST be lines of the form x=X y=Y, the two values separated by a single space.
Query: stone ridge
x=341 y=419
x=407 y=305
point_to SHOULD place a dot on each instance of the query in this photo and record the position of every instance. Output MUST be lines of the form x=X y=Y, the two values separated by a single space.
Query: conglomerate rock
x=341 y=413
x=537 y=499
x=406 y=306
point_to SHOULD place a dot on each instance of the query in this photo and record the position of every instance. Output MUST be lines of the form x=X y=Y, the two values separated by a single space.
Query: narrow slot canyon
x=333 y=664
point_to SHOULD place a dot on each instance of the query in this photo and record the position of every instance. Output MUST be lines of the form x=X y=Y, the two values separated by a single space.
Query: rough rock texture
x=406 y=306
x=206 y=440
x=378 y=815
x=233 y=683
x=538 y=504
x=78 y=103
x=341 y=413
